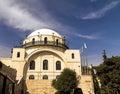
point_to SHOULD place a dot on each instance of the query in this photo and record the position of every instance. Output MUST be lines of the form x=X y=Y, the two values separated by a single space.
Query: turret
x=45 y=37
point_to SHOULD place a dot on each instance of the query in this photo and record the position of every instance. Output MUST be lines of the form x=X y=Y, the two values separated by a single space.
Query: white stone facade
x=42 y=57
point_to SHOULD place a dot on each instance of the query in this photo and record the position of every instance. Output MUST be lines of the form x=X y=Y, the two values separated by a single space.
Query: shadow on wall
x=21 y=88
x=8 y=82
x=7 y=79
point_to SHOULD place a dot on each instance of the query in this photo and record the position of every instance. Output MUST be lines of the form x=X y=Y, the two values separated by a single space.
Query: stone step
x=40 y=87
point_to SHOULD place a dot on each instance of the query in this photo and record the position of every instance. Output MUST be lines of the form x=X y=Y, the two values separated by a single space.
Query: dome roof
x=44 y=32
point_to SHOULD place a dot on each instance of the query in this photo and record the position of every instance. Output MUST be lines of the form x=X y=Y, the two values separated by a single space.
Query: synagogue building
x=41 y=58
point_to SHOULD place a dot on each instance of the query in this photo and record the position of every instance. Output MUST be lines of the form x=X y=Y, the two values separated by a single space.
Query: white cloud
x=100 y=13
x=90 y=37
x=17 y=16
x=5 y=51
x=87 y=36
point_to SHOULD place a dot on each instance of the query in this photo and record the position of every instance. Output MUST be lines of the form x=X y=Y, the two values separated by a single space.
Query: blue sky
x=94 y=22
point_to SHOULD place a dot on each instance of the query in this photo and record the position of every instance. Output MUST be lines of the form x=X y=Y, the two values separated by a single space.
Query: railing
x=52 y=43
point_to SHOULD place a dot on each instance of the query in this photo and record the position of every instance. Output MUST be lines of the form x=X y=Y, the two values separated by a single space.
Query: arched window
x=18 y=54
x=45 y=77
x=45 y=65
x=58 y=65
x=31 y=77
x=73 y=56
x=45 y=40
x=32 y=65
x=33 y=41
x=56 y=41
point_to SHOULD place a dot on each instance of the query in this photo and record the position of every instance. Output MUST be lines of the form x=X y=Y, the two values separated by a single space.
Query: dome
x=44 y=32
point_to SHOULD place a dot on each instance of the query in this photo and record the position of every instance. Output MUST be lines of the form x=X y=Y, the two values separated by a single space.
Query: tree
x=109 y=75
x=66 y=82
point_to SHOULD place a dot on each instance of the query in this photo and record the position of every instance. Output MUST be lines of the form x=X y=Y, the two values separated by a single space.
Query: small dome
x=44 y=32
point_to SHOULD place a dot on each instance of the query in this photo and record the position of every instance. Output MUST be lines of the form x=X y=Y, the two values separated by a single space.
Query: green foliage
x=109 y=75
x=66 y=82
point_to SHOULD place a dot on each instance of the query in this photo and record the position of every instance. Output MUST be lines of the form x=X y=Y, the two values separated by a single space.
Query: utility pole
x=104 y=55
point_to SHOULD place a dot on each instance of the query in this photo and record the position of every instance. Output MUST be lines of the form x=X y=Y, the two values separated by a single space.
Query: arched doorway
x=78 y=91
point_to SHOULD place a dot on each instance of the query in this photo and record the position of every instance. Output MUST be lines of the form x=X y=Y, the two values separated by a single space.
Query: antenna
x=38 y=34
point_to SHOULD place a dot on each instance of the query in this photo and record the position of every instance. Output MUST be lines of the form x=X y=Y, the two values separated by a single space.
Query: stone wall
x=7 y=79
x=40 y=87
x=86 y=84
x=44 y=86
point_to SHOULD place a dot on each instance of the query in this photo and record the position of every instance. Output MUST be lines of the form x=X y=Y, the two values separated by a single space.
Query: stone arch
x=36 y=52
x=45 y=50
